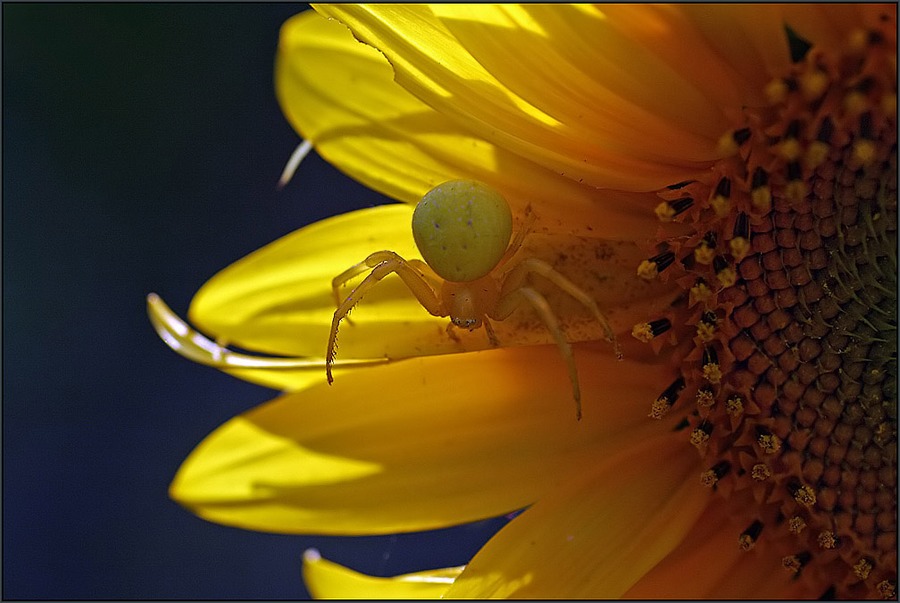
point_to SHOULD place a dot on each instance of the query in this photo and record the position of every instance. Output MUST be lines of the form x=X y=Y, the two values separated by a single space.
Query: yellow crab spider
x=462 y=229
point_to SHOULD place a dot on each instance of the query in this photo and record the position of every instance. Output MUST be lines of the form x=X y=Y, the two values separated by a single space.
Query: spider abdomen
x=462 y=229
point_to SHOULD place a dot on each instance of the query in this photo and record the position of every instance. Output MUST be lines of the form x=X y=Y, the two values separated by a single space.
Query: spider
x=463 y=229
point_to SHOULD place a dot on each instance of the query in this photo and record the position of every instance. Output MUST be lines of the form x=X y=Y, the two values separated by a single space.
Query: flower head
x=720 y=179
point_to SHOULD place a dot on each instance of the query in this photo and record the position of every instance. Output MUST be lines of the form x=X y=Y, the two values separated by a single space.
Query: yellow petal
x=666 y=33
x=461 y=88
x=709 y=564
x=576 y=64
x=420 y=444
x=595 y=536
x=328 y=580
x=279 y=299
x=752 y=38
x=341 y=95
x=703 y=559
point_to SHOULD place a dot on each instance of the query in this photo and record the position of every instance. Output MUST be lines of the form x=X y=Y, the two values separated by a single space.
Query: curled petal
x=287 y=374
x=328 y=580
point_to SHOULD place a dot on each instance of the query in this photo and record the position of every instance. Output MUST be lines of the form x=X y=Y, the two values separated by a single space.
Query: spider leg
x=492 y=337
x=511 y=301
x=345 y=276
x=451 y=332
x=516 y=277
x=520 y=237
x=382 y=263
x=428 y=273
x=370 y=262
x=342 y=279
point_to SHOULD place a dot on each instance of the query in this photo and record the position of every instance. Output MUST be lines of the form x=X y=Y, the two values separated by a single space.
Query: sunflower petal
x=460 y=87
x=827 y=25
x=328 y=580
x=595 y=536
x=667 y=34
x=453 y=439
x=574 y=63
x=341 y=95
x=693 y=569
x=279 y=299
x=709 y=564
x=752 y=37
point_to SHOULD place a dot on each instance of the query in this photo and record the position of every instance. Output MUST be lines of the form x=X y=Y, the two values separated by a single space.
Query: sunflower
x=722 y=179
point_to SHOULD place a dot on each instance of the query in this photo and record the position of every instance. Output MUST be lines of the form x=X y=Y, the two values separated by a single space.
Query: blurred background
x=141 y=147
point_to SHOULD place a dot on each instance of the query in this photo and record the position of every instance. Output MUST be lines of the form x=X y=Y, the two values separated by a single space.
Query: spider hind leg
x=537 y=301
x=515 y=289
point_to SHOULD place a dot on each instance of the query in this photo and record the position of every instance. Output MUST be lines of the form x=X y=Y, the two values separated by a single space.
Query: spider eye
x=462 y=229
x=466 y=323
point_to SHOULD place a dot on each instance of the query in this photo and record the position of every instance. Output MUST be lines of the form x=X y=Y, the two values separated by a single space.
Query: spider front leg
x=373 y=260
x=382 y=263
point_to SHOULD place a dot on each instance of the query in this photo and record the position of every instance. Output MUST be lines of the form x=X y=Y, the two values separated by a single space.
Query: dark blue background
x=141 y=146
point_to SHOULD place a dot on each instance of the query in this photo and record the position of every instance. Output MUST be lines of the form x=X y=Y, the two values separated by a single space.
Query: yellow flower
x=721 y=179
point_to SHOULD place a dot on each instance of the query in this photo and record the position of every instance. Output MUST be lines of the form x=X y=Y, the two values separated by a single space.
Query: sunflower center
x=786 y=335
